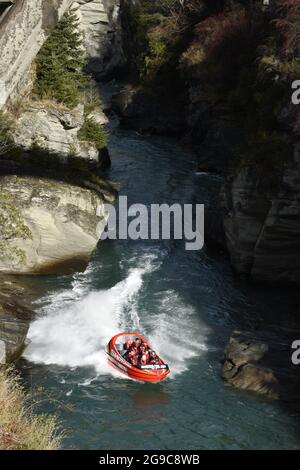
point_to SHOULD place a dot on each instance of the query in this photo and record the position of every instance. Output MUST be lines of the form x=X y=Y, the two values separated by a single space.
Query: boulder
x=49 y=226
x=55 y=128
x=261 y=362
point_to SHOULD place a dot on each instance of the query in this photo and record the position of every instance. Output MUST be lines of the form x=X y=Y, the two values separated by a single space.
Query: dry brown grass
x=20 y=428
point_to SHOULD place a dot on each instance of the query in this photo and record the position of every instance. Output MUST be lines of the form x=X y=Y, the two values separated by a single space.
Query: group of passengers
x=138 y=353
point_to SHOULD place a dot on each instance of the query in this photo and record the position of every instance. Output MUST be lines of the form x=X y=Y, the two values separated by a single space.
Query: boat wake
x=75 y=325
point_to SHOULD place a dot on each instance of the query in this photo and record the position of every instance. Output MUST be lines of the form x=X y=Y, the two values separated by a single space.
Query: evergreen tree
x=60 y=64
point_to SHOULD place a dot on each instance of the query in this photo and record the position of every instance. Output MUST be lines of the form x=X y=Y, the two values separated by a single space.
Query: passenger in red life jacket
x=134 y=361
x=154 y=359
x=128 y=344
x=144 y=355
x=137 y=342
x=133 y=356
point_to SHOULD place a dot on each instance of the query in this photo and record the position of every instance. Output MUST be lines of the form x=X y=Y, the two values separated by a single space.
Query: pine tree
x=60 y=64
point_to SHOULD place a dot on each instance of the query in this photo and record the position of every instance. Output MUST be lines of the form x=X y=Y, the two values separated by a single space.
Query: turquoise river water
x=186 y=302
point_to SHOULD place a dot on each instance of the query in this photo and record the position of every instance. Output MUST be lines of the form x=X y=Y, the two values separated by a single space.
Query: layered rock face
x=101 y=27
x=56 y=129
x=15 y=314
x=28 y=23
x=23 y=30
x=49 y=223
x=262 y=228
x=48 y=226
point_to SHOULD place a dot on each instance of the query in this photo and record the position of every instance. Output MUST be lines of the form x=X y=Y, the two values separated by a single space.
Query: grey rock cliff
x=55 y=129
x=100 y=24
x=28 y=23
x=48 y=226
x=262 y=227
x=15 y=315
x=23 y=30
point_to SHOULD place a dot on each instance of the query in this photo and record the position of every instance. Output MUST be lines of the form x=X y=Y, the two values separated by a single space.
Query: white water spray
x=75 y=328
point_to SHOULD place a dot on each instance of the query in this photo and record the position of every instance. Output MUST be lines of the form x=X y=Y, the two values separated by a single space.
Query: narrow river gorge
x=186 y=303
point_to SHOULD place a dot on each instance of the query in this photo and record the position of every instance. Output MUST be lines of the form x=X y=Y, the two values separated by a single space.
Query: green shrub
x=59 y=64
x=93 y=133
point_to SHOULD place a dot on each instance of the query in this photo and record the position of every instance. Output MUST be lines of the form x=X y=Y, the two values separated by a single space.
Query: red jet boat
x=116 y=352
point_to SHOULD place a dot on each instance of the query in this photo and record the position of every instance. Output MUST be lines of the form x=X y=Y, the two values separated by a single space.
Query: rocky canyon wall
x=99 y=21
x=23 y=31
x=28 y=23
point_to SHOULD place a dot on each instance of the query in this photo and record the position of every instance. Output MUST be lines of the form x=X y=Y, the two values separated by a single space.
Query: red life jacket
x=155 y=360
x=134 y=360
x=132 y=353
x=137 y=343
x=144 y=359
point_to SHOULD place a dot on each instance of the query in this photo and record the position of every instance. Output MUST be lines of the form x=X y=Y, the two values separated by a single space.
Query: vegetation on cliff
x=60 y=76
x=60 y=63
x=229 y=58
x=20 y=428
x=60 y=85
x=92 y=132
x=12 y=227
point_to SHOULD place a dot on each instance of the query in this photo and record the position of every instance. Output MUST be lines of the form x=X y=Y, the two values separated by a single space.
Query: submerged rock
x=49 y=226
x=262 y=363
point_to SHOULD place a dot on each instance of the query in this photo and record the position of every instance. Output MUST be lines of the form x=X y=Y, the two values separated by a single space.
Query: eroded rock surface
x=23 y=31
x=15 y=315
x=261 y=362
x=100 y=24
x=262 y=226
x=55 y=128
x=49 y=226
x=28 y=23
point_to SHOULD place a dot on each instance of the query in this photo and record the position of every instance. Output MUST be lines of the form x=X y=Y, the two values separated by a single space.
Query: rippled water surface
x=186 y=303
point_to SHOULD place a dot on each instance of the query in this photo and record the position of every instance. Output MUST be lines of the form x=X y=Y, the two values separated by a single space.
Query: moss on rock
x=12 y=227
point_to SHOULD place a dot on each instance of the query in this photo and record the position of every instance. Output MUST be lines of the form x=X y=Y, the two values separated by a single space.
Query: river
x=186 y=302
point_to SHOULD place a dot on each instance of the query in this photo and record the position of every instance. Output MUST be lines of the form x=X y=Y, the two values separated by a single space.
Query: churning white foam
x=75 y=325
x=76 y=335
x=177 y=332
